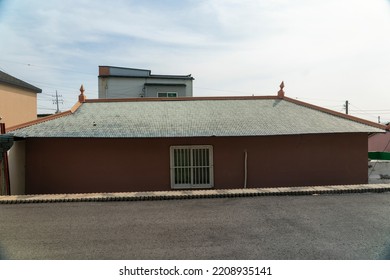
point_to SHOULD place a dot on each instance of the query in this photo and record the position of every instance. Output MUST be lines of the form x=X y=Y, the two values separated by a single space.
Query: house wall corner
x=17 y=167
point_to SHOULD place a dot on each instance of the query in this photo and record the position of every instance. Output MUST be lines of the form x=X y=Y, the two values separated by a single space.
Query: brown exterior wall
x=120 y=165
x=17 y=105
x=379 y=142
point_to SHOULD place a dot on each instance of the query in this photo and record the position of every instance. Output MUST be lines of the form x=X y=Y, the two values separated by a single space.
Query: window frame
x=192 y=167
x=167 y=94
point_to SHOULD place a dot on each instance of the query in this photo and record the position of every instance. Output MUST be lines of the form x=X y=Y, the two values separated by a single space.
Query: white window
x=192 y=167
x=167 y=94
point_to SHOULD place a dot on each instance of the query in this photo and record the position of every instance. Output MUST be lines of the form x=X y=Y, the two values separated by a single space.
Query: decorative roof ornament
x=82 y=97
x=281 y=91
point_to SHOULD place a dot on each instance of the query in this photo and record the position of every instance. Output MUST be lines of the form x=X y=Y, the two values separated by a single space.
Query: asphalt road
x=348 y=226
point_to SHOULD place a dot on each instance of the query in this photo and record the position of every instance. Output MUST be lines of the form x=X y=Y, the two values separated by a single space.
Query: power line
x=46 y=66
x=383 y=111
x=224 y=90
x=320 y=99
x=368 y=113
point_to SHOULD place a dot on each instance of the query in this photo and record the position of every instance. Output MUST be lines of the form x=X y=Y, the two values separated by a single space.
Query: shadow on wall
x=386 y=254
x=3 y=255
x=276 y=103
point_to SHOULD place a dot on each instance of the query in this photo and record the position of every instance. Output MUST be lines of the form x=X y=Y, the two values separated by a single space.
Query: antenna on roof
x=281 y=91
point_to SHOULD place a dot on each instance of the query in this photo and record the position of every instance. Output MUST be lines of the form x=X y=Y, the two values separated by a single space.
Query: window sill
x=190 y=187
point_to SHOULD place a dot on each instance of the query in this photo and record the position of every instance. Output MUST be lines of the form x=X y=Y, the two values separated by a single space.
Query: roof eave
x=188 y=98
x=31 y=88
x=45 y=119
x=167 y=77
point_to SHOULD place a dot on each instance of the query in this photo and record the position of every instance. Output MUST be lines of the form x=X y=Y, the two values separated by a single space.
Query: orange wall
x=118 y=165
x=17 y=105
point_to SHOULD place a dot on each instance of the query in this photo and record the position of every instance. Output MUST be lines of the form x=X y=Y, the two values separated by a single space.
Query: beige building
x=18 y=100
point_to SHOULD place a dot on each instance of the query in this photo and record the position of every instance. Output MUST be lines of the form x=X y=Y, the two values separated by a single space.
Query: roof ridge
x=198 y=98
x=335 y=113
x=41 y=120
x=75 y=107
x=11 y=80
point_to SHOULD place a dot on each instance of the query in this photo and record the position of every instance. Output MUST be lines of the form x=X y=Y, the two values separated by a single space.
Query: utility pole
x=379 y=119
x=57 y=101
x=346 y=107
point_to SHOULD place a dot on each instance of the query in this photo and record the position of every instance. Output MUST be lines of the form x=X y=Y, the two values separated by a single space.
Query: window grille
x=166 y=94
x=192 y=167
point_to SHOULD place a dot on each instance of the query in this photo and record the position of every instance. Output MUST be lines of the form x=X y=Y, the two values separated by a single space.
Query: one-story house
x=140 y=144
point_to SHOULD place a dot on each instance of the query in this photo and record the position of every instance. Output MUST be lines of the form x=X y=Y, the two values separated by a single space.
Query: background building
x=119 y=82
x=18 y=100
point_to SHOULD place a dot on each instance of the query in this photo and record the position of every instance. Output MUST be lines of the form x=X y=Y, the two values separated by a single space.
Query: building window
x=167 y=94
x=192 y=167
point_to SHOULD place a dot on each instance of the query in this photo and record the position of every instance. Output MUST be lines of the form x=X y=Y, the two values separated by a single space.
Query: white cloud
x=322 y=49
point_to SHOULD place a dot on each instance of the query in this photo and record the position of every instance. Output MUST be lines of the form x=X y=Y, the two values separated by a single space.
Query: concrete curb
x=193 y=194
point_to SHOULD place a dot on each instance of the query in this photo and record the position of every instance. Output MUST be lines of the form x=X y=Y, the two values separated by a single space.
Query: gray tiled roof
x=8 y=79
x=193 y=118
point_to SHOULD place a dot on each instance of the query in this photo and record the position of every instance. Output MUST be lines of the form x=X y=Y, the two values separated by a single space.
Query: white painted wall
x=17 y=167
x=126 y=87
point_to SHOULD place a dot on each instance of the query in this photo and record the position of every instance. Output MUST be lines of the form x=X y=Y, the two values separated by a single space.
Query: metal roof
x=10 y=80
x=194 y=118
x=123 y=72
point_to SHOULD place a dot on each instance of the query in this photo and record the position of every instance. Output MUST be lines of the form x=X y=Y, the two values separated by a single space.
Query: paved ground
x=186 y=194
x=337 y=226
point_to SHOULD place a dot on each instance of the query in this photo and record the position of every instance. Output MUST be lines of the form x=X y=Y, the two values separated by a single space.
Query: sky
x=326 y=52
